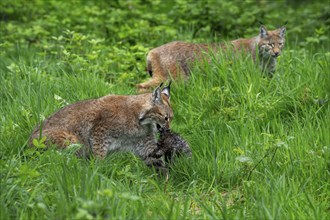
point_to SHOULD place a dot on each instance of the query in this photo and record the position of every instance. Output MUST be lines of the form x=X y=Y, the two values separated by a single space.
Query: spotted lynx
x=175 y=59
x=111 y=123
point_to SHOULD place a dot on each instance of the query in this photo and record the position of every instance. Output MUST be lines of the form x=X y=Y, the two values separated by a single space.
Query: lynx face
x=271 y=43
x=160 y=114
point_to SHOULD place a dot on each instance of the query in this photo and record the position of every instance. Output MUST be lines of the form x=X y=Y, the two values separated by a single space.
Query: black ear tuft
x=156 y=96
x=167 y=90
x=283 y=26
x=282 y=32
x=263 y=31
x=260 y=22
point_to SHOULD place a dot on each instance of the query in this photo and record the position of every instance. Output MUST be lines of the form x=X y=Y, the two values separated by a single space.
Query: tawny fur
x=174 y=60
x=110 y=123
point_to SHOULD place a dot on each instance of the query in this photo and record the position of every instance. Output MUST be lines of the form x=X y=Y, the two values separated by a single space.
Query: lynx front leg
x=99 y=143
x=146 y=151
x=99 y=150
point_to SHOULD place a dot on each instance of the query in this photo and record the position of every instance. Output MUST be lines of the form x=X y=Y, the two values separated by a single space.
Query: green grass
x=260 y=145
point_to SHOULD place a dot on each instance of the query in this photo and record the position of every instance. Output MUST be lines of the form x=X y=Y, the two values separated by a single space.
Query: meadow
x=261 y=145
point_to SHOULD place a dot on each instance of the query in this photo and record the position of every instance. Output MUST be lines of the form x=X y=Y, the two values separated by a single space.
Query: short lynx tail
x=149 y=67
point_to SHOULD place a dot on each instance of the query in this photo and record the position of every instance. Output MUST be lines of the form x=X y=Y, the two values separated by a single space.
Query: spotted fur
x=110 y=123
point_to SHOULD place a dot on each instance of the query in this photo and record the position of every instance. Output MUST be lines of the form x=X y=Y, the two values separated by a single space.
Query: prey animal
x=171 y=145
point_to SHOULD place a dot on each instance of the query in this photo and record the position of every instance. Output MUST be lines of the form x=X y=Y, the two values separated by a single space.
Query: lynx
x=175 y=59
x=111 y=123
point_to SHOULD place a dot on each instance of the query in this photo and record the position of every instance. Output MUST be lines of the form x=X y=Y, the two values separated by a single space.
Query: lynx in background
x=175 y=58
x=111 y=123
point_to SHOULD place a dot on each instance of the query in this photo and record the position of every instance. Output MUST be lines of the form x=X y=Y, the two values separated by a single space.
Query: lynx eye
x=280 y=44
x=271 y=45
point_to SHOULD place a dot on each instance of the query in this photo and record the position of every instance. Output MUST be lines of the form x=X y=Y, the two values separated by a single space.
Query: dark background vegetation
x=121 y=32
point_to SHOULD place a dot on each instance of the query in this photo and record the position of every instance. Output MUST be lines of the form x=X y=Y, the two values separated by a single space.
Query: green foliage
x=261 y=145
x=111 y=38
x=240 y=18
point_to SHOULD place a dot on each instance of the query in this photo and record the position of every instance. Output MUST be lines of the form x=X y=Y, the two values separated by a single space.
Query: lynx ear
x=282 y=32
x=156 y=96
x=167 y=90
x=263 y=31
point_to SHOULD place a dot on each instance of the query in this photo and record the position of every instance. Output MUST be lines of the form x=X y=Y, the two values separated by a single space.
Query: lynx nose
x=276 y=54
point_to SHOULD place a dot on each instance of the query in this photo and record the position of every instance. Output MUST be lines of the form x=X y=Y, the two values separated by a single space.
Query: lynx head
x=271 y=43
x=159 y=112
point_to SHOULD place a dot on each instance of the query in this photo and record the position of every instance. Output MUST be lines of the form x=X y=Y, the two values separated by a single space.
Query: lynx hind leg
x=99 y=142
x=156 y=71
x=61 y=139
x=173 y=72
x=148 y=85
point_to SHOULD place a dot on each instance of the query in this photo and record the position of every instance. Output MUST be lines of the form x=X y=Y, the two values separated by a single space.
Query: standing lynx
x=111 y=123
x=174 y=59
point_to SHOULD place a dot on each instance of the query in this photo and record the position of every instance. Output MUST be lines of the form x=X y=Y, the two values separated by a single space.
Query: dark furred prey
x=171 y=145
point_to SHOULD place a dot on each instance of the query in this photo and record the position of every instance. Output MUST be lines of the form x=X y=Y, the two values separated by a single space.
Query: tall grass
x=260 y=145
